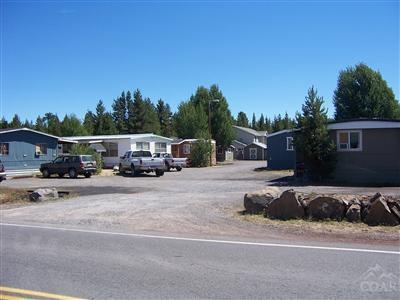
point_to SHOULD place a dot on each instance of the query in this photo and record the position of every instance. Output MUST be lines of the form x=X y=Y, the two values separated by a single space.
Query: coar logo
x=376 y=279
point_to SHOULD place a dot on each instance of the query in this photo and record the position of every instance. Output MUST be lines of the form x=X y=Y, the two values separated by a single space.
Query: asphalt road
x=101 y=265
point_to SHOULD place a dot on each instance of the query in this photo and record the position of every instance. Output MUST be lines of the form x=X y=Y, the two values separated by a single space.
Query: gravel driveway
x=198 y=202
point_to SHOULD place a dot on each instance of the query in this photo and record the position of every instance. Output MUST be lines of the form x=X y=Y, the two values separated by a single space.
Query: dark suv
x=74 y=165
x=2 y=172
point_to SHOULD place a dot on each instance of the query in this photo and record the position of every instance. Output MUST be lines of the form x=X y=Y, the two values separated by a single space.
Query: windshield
x=87 y=158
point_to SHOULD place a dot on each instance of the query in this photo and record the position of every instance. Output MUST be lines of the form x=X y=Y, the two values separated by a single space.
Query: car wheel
x=121 y=170
x=133 y=172
x=88 y=175
x=72 y=173
x=61 y=175
x=159 y=173
x=46 y=173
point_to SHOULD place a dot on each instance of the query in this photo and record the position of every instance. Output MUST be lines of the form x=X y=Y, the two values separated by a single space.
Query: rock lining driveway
x=198 y=202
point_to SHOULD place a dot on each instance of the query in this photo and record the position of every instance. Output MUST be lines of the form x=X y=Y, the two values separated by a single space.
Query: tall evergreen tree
x=254 y=122
x=190 y=121
x=221 y=119
x=150 y=123
x=89 y=122
x=137 y=112
x=15 y=122
x=103 y=121
x=3 y=123
x=52 y=124
x=277 y=124
x=71 y=125
x=28 y=124
x=130 y=109
x=268 y=125
x=242 y=119
x=40 y=124
x=165 y=118
x=313 y=142
x=120 y=112
x=261 y=123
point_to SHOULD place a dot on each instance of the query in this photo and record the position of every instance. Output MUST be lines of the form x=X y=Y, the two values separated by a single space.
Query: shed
x=255 y=151
x=280 y=153
x=26 y=149
x=182 y=147
x=238 y=149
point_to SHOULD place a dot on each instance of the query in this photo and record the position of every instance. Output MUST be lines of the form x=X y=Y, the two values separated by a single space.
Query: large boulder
x=286 y=207
x=255 y=202
x=353 y=213
x=326 y=207
x=43 y=194
x=379 y=214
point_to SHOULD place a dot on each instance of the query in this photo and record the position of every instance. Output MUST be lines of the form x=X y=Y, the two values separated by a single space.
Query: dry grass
x=327 y=226
x=9 y=195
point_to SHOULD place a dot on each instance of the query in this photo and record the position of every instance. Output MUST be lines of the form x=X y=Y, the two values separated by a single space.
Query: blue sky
x=63 y=56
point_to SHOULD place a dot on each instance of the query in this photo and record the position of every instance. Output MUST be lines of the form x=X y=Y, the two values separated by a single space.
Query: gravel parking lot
x=198 y=202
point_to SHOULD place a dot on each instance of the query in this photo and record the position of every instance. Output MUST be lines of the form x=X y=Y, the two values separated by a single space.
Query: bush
x=81 y=149
x=200 y=153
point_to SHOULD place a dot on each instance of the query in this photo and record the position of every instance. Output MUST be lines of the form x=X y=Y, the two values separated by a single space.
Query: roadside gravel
x=197 y=202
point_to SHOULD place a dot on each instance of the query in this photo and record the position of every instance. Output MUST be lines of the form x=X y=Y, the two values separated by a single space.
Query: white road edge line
x=202 y=240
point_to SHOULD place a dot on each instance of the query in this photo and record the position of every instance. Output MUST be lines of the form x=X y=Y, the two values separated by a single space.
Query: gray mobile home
x=368 y=151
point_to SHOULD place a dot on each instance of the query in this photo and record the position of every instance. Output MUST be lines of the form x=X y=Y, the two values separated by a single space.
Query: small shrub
x=81 y=149
x=200 y=153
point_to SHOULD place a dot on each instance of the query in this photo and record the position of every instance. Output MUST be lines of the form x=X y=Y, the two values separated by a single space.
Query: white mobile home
x=113 y=146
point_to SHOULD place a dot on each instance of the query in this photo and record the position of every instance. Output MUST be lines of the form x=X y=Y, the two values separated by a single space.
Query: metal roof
x=60 y=139
x=258 y=144
x=251 y=131
x=91 y=138
x=364 y=124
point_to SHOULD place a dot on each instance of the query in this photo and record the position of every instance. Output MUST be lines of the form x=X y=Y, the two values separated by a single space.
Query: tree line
x=361 y=93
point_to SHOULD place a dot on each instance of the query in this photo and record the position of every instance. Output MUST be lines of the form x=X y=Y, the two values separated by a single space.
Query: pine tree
x=40 y=124
x=15 y=122
x=52 y=124
x=3 y=123
x=190 y=121
x=242 y=120
x=71 y=125
x=150 y=123
x=268 y=125
x=221 y=119
x=312 y=142
x=165 y=118
x=89 y=122
x=261 y=123
x=103 y=121
x=120 y=113
x=254 y=122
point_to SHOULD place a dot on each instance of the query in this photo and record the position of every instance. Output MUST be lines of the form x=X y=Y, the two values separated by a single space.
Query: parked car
x=2 y=172
x=73 y=165
x=170 y=161
x=141 y=161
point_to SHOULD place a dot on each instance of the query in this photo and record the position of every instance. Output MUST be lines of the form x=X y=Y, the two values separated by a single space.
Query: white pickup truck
x=141 y=161
x=171 y=162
